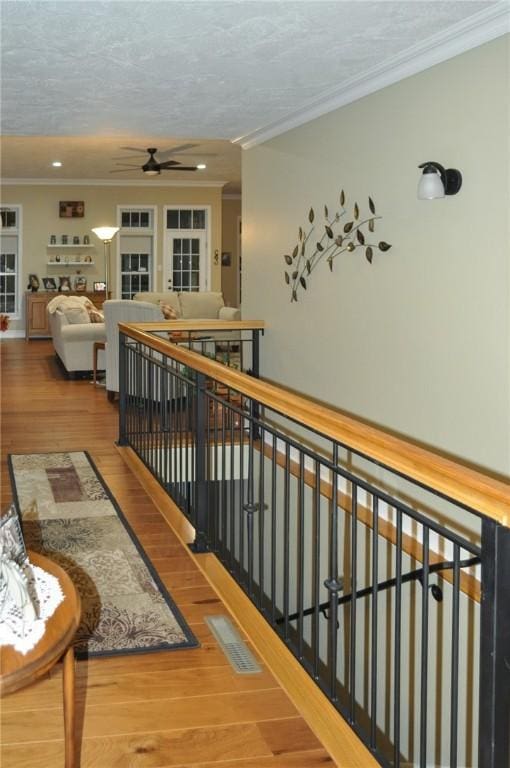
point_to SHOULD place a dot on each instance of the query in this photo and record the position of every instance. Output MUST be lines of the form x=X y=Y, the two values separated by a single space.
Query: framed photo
x=64 y=283
x=12 y=544
x=33 y=282
x=80 y=284
x=226 y=259
x=71 y=209
x=49 y=284
x=99 y=286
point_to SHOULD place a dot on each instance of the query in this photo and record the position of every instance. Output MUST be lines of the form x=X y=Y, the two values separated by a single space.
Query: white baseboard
x=19 y=334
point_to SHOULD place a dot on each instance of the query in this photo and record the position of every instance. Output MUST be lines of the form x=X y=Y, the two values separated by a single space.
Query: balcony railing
x=383 y=566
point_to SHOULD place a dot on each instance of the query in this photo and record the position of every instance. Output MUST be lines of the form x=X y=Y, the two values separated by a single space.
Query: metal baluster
x=398 y=637
x=232 y=506
x=262 y=509
x=374 y=633
x=286 y=542
x=454 y=697
x=301 y=554
x=333 y=584
x=200 y=521
x=274 y=466
x=241 y=506
x=424 y=649
x=316 y=570
x=353 y=610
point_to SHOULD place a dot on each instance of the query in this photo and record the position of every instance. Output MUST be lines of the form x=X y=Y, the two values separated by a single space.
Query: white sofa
x=193 y=305
x=74 y=335
x=145 y=307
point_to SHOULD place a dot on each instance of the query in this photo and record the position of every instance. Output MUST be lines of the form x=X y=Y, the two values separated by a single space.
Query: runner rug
x=69 y=514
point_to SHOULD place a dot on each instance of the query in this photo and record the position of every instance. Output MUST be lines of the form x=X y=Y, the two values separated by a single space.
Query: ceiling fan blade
x=130 y=165
x=168 y=164
x=143 y=150
x=130 y=157
x=124 y=170
x=180 y=168
x=175 y=150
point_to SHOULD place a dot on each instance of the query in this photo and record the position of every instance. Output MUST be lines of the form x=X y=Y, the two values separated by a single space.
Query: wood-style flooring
x=173 y=708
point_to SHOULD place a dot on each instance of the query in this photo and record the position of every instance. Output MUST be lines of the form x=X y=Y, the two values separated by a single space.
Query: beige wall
x=41 y=219
x=229 y=276
x=419 y=340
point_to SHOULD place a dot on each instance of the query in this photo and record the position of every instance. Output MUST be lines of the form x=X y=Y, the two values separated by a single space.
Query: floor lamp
x=106 y=234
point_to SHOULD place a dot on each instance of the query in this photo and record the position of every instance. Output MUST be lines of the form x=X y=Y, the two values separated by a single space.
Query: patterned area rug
x=69 y=515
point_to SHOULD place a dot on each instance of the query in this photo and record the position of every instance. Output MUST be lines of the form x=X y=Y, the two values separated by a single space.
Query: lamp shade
x=105 y=233
x=430 y=185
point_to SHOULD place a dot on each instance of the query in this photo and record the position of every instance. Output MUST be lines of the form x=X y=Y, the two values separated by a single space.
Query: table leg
x=69 y=710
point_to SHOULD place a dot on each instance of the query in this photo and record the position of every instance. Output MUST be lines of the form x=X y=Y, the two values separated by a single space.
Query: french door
x=186 y=249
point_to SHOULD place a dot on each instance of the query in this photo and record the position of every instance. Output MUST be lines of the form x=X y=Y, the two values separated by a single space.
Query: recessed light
x=57 y=164
x=201 y=166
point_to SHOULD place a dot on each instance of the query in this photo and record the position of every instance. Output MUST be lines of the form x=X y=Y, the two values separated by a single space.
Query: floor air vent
x=232 y=646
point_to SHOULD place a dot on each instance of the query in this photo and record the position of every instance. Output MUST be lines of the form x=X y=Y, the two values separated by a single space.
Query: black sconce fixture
x=437 y=181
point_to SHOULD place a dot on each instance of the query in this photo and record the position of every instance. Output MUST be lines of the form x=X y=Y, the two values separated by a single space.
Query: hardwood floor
x=177 y=708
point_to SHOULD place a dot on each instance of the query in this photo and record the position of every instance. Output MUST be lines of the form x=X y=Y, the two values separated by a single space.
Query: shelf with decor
x=70 y=263
x=69 y=245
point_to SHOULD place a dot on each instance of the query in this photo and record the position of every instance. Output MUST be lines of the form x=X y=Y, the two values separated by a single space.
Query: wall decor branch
x=330 y=242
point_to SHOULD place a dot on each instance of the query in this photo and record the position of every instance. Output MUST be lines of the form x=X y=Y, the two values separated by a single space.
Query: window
x=10 y=253
x=136 y=248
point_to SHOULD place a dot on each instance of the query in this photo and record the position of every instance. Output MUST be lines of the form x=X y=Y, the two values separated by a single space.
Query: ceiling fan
x=153 y=167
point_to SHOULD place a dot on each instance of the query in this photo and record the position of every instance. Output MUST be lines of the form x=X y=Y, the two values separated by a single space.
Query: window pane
x=185 y=262
x=185 y=246
x=10 y=304
x=125 y=262
x=8 y=218
x=172 y=219
x=185 y=219
x=177 y=245
x=195 y=245
x=10 y=284
x=144 y=261
x=144 y=219
x=195 y=280
x=185 y=281
x=195 y=261
x=135 y=219
x=144 y=282
x=125 y=220
x=199 y=219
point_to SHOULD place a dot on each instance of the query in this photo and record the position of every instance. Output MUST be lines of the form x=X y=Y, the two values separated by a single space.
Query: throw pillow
x=76 y=315
x=169 y=312
x=96 y=316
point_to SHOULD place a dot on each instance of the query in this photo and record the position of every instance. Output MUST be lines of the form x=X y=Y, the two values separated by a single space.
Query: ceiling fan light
x=201 y=166
x=57 y=164
x=152 y=172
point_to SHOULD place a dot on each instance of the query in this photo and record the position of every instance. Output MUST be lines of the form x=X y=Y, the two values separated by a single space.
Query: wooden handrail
x=203 y=325
x=463 y=484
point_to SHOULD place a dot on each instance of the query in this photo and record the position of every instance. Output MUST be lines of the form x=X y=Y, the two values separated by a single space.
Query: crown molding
x=106 y=183
x=481 y=27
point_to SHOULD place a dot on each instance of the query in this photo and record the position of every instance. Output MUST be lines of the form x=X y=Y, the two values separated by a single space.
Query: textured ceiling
x=164 y=72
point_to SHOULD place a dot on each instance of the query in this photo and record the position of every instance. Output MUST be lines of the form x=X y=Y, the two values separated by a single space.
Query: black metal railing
x=371 y=578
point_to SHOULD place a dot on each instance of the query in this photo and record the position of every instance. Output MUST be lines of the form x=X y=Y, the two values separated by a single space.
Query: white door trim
x=142 y=231
x=206 y=281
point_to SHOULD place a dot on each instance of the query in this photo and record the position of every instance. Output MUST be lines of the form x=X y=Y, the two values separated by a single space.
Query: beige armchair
x=122 y=311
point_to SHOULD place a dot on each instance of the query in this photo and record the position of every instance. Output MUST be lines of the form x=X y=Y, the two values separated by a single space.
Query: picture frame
x=33 y=282
x=99 y=286
x=50 y=284
x=64 y=283
x=80 y=284
x=12 y=543
x=71 y=209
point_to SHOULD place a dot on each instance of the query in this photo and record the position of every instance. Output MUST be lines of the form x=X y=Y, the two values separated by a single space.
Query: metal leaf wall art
x=330 y=241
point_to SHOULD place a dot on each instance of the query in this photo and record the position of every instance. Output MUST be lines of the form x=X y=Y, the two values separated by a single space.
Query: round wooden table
x=18 y=670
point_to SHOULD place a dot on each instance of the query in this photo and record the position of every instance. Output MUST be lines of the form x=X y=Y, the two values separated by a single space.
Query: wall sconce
x=106 y=234
x=437 y=181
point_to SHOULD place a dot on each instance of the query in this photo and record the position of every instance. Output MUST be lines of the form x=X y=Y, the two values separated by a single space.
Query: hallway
x=177 y=708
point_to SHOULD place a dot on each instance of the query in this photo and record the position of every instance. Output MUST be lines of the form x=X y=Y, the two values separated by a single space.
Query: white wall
x=418 y=341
